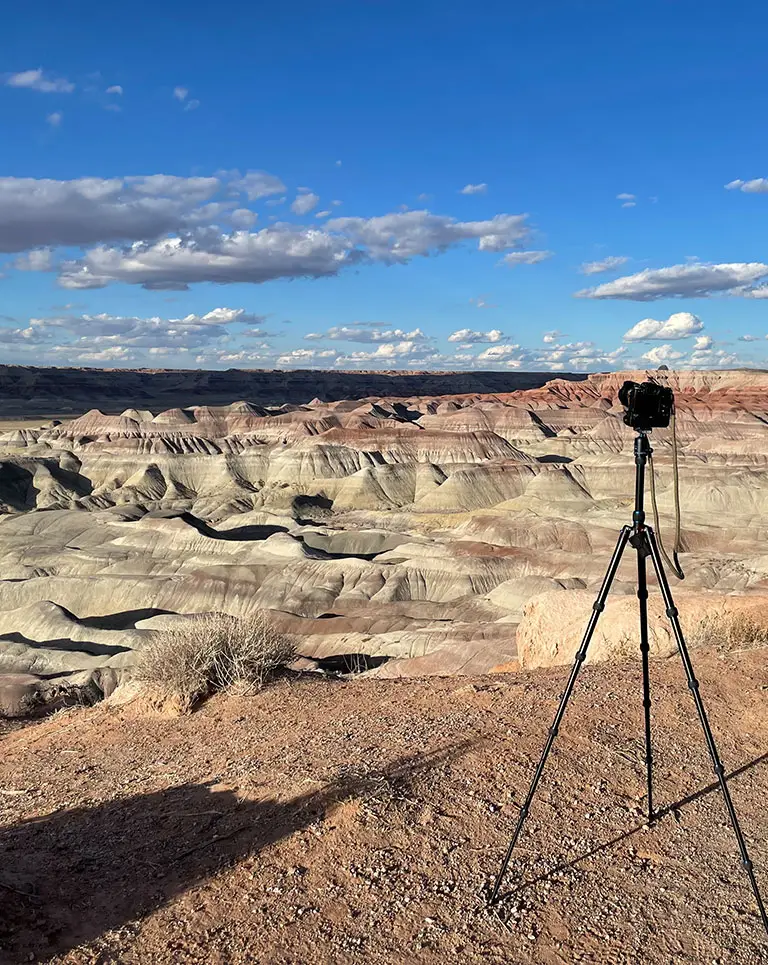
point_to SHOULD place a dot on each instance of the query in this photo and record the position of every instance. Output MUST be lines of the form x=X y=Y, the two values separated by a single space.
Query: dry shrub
x=730 y=632
x=212 y=652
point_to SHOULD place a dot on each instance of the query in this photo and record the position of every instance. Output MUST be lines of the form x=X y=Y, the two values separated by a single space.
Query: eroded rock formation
x=417 y=528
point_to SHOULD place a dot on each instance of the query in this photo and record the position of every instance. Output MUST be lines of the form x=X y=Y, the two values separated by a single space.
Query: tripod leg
x=693 y=686
x=642 y=596
x=597 y=608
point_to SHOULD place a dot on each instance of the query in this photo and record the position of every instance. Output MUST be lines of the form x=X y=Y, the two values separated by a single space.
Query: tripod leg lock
x=746 y=863
x=672 y=612
x=693 y=684
x=719 y=769
x=598 y=607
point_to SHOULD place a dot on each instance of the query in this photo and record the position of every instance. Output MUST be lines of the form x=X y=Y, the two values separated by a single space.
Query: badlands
x=399 y=536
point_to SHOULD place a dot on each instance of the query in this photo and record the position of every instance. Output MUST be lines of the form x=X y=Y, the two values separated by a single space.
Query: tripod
x=643 y=540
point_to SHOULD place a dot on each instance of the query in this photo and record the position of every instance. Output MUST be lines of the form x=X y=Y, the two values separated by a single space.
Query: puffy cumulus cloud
x=41 y=211
x=400 y=236
x=663 y=353
x=755 y=186
x=749 y=338
x=175 y=263
x=474 y=189
x=180 y=93
x=284 y=251
x=550 y=337
x=678 y=325
x=39 y=81
x=498 y=353
x=525 y=257
x=624 y=196
x=74 y=336
x=703 y=343
x=304 y=356
x=359 y=333
x=761 y=291
x=304 y=203
x=696 y=280
x=115 y=89
x=387 y=352
x=605 y=264
x=39 y=259
x=55 y=119
x=258 y=184
x=469 y=337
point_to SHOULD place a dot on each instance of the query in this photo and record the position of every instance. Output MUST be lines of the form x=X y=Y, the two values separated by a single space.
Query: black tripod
x=643 y=539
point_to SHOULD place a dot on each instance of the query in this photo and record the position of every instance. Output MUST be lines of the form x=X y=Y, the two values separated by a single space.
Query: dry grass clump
x=209 y=653
x=730 y=632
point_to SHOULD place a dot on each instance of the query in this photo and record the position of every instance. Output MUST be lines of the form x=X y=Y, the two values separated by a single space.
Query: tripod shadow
x=70 y=876
x=661 y=813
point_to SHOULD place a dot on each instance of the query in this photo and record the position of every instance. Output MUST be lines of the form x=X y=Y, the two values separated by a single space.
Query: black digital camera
x=648 y=404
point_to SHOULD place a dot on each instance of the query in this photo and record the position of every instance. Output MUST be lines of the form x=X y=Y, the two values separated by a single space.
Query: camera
x=648 y=404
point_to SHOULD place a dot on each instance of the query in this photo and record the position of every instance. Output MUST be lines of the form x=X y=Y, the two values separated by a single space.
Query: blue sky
x=413 y=185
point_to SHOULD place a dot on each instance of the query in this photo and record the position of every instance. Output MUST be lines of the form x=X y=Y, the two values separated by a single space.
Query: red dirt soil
x=334 y=822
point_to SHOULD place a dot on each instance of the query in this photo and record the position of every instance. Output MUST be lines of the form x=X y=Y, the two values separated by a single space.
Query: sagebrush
x=730 y=632
x=213 y=652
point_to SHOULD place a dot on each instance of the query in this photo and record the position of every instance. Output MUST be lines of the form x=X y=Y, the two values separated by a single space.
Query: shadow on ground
x=70 y=876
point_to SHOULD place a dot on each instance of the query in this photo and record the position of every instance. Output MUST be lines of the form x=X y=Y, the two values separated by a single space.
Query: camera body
x=648 y=404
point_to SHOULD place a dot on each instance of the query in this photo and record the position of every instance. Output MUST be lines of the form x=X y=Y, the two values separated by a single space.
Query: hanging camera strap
x=674 y=563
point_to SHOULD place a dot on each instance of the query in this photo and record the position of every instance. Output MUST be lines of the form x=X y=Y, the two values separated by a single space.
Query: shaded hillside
x=26 y=389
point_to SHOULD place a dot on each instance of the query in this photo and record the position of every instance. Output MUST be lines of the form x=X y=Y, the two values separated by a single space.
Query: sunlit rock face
x=422 y=529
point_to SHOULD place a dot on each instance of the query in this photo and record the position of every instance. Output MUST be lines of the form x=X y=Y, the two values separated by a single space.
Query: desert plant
x=211 y=652
x=730 y=632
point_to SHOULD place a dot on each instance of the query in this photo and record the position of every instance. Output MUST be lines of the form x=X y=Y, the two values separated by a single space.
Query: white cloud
x=304 y=203
x=273 y=202
x=43 y=211
x=401 y=236
x=372 y=334
x=606 y=264
x=323 y=214
x=179 y=231
x=180 y=93
x=749 y=338
x=526 y=257
x=550 y=337
x=258 y=184
x=681 y=281
x=468 y=337
x=480 y=302
x=37 y=80
x=703 y=343
x=192 y=105
x=474 y=189
x=678 y=325
x=761 y=291
x=663 y=353
x=39 y=259
x=55 y=119
x=174 y=263
x=755 y=186
x=625 y=197
x=629 y=204
x=498 y=353
x=115 y=89
x=243 y=218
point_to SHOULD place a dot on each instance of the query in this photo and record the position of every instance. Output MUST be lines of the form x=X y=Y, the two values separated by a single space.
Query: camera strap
x=674 y=563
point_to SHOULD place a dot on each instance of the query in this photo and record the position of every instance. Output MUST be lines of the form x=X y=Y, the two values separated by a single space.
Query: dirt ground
x=334 y=822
